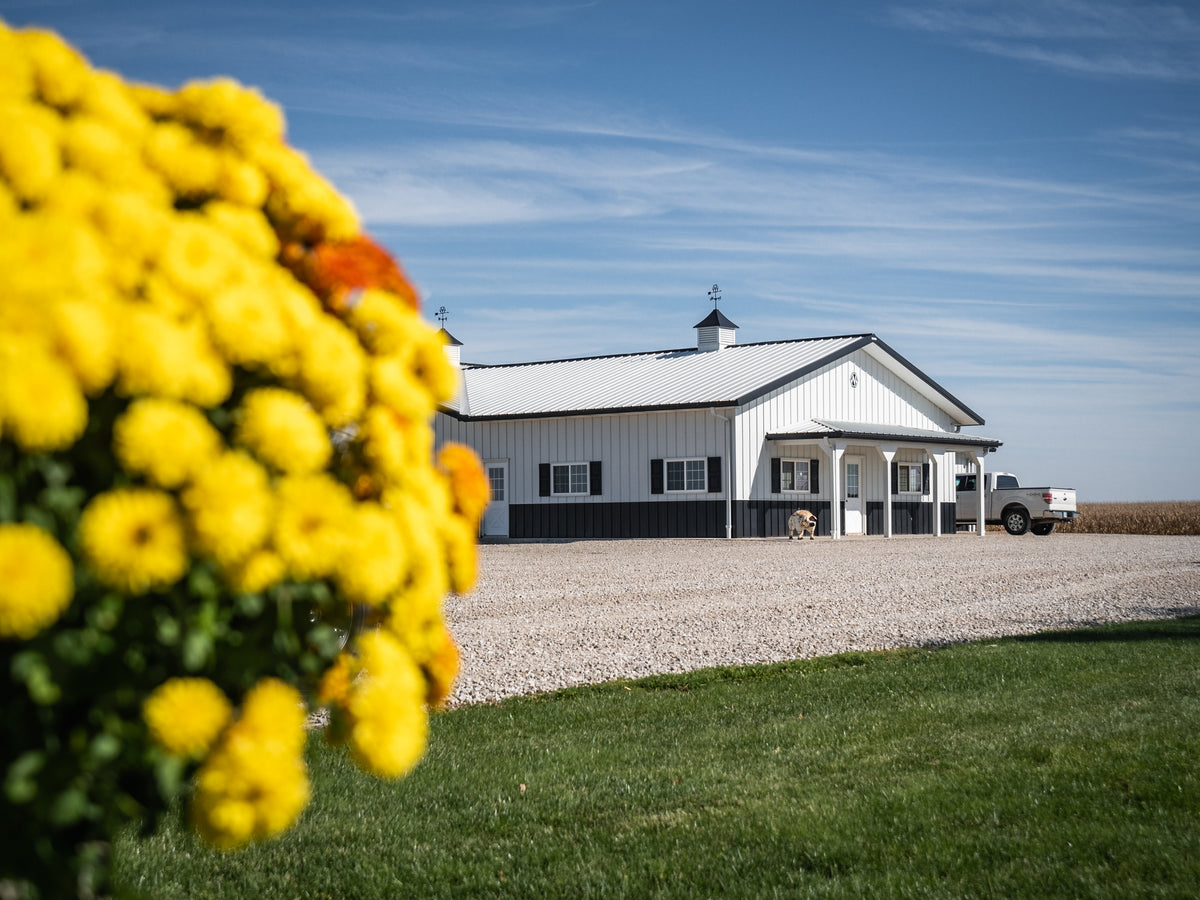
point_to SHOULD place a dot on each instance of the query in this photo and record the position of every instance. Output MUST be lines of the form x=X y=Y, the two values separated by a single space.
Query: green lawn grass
x=1065 y=764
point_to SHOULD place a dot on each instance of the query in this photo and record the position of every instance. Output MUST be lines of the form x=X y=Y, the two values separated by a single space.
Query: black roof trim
x=955 y=439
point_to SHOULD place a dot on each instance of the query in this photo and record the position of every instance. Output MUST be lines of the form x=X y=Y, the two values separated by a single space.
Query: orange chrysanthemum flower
x=336 y=269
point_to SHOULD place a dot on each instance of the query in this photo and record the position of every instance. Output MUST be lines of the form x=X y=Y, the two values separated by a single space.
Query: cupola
x=452 y=347
x=714 y=332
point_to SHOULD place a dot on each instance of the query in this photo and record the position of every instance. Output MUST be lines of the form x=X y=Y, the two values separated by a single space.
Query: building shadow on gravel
x=1186 y=627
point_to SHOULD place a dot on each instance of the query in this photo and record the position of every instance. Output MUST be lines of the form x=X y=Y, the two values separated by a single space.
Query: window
x=793 y=475
x=569 y=478
x=687 y=474
x=908 y=478
x=496 y=482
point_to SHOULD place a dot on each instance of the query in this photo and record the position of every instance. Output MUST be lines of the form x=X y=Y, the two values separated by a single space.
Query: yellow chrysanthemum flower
x=247 y=327
x=191 y=167
x=337 y=681
x=375 y=558
x=332 y=372
x=97 y=148
x=394 y=384
x=224 y=105
x=164 y=440
x=107 y=97
x=261 y=570
x=254 y=783
x=229 y=505
x=441 y=669
x=302 y=204
x=240 y=181
x=16 y=74
x=185 y=715
x=248 y=228
x=389 y=724
x=415 y=614
x=458 y=536
x=42 y=405
x=36 y=580
x=55 y=255
x=133 y=540
x=469 y=486
x=281 y=429
x=198 y=257
x=83 y=333
x=153 y=353
x=74 y=194
x=383 y=438
x=311 y=525
x=384 y=324
x=135 y=225
x=429 y=365
x=60 y=72
x=207 y=380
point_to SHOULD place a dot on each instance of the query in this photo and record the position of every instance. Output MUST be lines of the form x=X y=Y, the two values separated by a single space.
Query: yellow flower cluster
x=254 y=784
x=36 y=582
x=185 y=715
x=169 y=253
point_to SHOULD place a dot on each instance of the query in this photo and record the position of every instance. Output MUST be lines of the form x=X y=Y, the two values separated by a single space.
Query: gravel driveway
x=550 y=615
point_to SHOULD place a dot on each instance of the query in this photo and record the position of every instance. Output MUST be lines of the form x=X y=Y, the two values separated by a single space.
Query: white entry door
x=495 y=518
x=854 y=502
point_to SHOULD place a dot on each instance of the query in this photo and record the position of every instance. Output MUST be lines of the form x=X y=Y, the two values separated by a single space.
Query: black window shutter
x=814 y=472
x=895 y=479
x=544 y=480
x=714 y=474
x=656 y=476
x=925 y=479
x=776 y=475
x=594 y=482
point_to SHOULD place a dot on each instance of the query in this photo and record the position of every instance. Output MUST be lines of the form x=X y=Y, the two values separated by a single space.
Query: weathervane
x=715 y=295
x=442 y=315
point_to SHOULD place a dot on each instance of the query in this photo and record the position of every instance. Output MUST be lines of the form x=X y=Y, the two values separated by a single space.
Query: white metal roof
x=668 y=379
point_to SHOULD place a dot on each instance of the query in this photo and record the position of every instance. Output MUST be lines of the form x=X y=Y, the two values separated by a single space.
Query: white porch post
x=835 y=449
x=977 y=458
x=935 y=471
x=888 y=454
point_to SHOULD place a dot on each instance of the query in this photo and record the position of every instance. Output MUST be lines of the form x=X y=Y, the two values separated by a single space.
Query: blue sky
x=1007 y=193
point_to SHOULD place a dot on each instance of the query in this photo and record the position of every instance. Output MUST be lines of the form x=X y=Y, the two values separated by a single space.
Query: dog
x=801 y=521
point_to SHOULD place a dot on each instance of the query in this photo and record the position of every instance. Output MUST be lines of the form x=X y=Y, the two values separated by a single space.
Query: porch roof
x=815 y=429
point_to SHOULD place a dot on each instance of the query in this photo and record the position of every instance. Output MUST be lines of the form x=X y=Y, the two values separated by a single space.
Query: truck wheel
x=1041 y=529
x=1016 y=520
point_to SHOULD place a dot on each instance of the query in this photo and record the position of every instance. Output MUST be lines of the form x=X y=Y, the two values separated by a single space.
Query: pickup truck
x=1018 y=509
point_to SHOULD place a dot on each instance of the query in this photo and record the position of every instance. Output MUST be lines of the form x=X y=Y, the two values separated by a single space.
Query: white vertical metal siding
x=623 y=443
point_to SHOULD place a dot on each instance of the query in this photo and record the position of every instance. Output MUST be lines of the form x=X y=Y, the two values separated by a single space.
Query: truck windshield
x=1006 y=481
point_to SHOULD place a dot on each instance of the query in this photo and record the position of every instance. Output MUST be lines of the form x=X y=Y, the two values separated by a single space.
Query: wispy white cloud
x=1113 y=39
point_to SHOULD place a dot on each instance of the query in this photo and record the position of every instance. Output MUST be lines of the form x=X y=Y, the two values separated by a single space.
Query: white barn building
x=716 y=440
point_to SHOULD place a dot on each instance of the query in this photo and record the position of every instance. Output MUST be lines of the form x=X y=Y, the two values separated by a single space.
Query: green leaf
x=168 y=772
x=20 y=784
x=8 y=497
x=249 y=605
x=105 y=747
x=197 y=647
x=69 y=807
x=168 y=631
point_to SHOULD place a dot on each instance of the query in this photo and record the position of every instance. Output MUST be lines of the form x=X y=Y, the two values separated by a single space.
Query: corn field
x=1165 y=517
